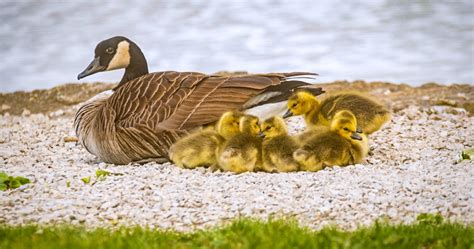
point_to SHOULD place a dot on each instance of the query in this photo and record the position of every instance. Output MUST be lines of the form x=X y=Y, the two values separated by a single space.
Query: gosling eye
x=268 y=128
x=346 y=129
x=294 y=105
x=109 y=50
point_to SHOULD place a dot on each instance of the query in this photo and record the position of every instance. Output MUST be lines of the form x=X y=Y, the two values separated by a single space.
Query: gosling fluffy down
x=340 y=144
x=242 y=152
x=277 y=147
x=198 y=149
x=370 y=114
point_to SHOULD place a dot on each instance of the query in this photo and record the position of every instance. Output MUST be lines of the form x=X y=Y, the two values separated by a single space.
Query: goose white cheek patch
x=121 y=58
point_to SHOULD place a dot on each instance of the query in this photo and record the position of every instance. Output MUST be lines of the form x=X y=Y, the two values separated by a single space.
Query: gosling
x=198 y=149
x=277 y=147
x=370 y=114
x=340 y=144
x=242 y=152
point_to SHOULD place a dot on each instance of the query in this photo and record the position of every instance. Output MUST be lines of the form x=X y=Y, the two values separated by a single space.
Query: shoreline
x=400 y=95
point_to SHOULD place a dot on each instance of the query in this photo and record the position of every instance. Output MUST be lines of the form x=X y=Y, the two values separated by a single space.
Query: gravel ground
x=413 y=168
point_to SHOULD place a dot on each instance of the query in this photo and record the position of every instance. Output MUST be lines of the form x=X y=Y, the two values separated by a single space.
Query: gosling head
x=344 y=123
x=229 y=124
x=116 y=53
x=272 y=127
x=249 y=125
x=301 y=103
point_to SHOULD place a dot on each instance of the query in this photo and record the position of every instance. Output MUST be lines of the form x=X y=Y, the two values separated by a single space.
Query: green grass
x=428 y=232
x=11 y=182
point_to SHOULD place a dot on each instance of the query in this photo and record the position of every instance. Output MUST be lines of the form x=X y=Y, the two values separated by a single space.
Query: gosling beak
x=261 y=134
x=356 y=136
x=287 y=114
x=93 y=68
x=359 y=130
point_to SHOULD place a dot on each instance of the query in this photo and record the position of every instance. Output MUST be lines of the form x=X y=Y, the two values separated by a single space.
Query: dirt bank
x=398 y=95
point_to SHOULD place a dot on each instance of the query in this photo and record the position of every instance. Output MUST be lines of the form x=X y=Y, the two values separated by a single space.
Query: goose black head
x=116 y=53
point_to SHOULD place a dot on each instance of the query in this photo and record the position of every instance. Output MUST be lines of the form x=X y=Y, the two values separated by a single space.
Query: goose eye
x=294 y=105
x=109 y=50
x=346 y=129
x=268 y=128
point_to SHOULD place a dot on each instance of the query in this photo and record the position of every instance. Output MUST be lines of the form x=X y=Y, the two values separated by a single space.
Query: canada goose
x=277 y=146
x=370 y=114
x=198 y=149
x=340 y=144
x=148 y=112
x=241 y=153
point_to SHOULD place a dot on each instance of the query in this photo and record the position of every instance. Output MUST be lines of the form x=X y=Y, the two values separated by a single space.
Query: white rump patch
x=268 y=110
x=121 y=58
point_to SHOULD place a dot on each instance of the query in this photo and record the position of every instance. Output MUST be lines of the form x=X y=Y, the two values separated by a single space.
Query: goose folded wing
x=215 y=95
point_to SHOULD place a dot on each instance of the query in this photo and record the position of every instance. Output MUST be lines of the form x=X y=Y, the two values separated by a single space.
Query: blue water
x=46 y=43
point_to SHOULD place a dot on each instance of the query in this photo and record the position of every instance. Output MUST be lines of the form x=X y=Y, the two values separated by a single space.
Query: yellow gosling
x=340 y=144
x=277 y=147
x=370 y=113
x=198 y=149
x=242 y=152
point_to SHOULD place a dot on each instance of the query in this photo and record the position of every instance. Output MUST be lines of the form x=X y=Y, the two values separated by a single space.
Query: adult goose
x=148 y=112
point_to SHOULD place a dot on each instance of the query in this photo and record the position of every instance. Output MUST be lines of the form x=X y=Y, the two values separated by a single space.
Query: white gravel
x=411 y=169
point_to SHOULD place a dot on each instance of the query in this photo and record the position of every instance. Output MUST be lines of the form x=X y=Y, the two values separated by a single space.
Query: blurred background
x=44 y=43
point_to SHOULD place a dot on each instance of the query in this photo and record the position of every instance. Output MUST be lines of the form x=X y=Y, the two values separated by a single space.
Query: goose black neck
x=137 y=67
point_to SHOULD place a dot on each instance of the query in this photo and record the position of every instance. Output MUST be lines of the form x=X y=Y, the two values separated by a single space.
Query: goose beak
x=287 y=114
x=356 y=136
x=261 y=134
x=359 y=130
x=93 y=68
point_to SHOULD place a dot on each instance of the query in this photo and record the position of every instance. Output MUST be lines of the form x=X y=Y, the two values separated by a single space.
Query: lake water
x=46 y=43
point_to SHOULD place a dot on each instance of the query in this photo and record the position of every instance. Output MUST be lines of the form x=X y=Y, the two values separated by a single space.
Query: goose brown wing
x=216 y=95
x=183 y=100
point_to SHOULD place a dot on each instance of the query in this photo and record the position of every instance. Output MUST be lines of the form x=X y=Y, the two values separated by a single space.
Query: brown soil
x=44 y=101
x=398 y=96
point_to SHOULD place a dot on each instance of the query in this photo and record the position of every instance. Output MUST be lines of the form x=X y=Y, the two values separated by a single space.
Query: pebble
x=5 y=107
x=413 y=168
x=57 y=113
x=69 y=139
